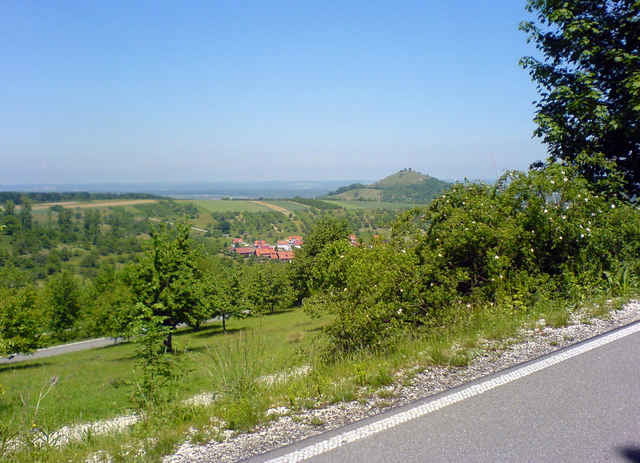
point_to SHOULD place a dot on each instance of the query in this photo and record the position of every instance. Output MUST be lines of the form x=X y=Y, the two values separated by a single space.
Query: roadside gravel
x=495 y=356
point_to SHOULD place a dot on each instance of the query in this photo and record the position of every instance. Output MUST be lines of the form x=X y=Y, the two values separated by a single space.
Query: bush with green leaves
x=531 y=236
x=157 y=373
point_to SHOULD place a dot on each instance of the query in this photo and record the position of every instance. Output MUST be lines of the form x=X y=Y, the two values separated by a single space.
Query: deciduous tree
x=19 y=326
x=167 y=279
x=63 y=300
x=589 y=83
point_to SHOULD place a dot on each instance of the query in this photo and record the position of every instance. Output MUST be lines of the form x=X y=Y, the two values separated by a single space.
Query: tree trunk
x=168 y=342
x=224 y=325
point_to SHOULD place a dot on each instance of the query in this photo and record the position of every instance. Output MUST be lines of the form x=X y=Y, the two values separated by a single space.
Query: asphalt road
x=62 y=349
x=584 y=409
x=73 y=347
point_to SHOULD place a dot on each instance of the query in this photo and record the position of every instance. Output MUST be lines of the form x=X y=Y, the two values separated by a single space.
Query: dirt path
x=274 y=207
x=74 y=204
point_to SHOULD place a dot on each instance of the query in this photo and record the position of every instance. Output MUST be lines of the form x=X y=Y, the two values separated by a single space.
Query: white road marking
x=452 y=398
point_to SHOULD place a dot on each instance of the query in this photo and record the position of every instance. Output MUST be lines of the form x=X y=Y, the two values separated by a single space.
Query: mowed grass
x=98 y=384
x=226 y=205
x=373 y=204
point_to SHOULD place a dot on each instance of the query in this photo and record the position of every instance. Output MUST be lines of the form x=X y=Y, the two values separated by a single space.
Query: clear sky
x=183 y=91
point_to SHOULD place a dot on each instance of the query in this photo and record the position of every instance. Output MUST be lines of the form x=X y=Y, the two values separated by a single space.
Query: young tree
x=91 y=225
x=109 y=304
x=267 y=287
x=167 y=280
x=65 y=224
x=10 y=223
x=19 y=325
x=63 y=299
x=222 y=294
x=589 y=84
x=26 y=220
x=327 y=231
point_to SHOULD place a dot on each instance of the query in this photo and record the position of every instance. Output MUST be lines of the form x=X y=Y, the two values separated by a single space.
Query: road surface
x=579 y=405
x=76 y=346
x=63 y=349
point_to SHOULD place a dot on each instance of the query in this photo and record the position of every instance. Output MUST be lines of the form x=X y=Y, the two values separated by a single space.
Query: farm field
x=289 y=205
x=226 y=205
x=86 y=204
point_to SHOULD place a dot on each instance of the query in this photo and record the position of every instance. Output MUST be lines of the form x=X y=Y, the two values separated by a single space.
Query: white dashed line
x=452 y=398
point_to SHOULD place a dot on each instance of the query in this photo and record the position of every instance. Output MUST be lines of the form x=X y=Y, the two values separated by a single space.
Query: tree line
x=50 y=197
x=173 y=279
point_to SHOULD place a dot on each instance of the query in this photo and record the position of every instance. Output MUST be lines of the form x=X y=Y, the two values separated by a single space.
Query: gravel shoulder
x=293 y=426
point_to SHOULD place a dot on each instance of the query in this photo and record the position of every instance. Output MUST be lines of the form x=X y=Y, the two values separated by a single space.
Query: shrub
x=533 y=236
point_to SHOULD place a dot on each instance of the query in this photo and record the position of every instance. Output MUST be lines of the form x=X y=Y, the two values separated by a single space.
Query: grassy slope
x=95 y=384
x=362 y=194
x=355 y=204
x=403 y=186
x=404 y=177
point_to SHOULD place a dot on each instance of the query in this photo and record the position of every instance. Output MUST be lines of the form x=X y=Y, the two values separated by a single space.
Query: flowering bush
x=536 y=234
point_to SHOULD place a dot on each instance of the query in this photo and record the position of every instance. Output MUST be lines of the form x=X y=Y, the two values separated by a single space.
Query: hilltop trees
x=589 y=84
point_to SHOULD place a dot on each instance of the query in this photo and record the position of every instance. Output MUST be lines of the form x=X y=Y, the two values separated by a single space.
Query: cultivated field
x=289 y=205
x=226 y=205
x=85 y=204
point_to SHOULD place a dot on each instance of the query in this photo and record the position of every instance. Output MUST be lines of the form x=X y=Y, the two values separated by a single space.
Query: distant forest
x=48 y=197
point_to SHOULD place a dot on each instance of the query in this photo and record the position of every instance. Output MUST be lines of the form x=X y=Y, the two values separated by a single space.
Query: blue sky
x=242 y=90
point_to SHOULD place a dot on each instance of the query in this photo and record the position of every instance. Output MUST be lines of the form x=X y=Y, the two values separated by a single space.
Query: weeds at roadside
x=234 y=373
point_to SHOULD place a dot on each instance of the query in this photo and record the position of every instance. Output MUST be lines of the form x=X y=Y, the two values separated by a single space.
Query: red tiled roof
x=285 y=255
x=245 y=250
x=236 y=240
x=265 y=252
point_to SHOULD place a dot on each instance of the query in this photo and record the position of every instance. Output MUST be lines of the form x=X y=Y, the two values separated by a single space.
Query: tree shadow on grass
x=278 y=311
x=19 y=366
x=218 y=331
x=123 y=358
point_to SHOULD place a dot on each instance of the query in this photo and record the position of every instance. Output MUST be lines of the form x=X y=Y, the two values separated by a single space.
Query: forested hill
x=405 y=185
x=51 y=197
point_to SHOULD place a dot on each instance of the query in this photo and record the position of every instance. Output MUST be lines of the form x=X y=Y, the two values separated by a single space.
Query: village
x=283 y=250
